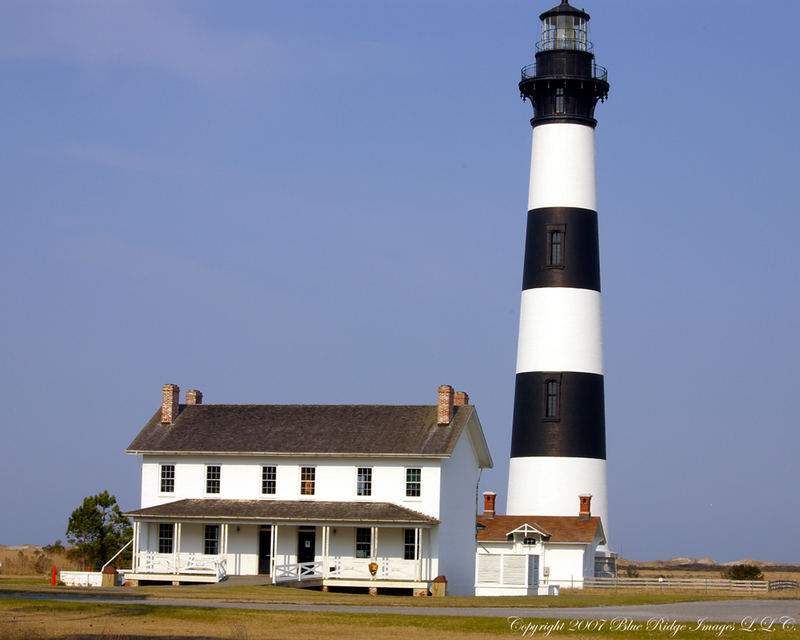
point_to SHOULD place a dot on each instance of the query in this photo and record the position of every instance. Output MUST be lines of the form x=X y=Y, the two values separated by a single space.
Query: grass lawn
x=27 y=620
x=585 y=598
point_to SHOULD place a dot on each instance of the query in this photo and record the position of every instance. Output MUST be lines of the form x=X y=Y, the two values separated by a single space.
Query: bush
x=743 y=572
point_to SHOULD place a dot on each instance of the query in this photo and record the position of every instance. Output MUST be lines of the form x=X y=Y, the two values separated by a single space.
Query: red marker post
x=53 y=580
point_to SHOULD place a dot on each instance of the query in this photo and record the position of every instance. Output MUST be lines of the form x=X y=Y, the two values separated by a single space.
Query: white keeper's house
x=375 y=496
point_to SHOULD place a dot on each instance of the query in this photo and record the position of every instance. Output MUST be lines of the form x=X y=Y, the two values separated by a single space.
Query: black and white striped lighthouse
x=558 y=446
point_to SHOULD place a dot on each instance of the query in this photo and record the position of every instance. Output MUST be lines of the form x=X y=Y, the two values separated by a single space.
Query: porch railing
x=388 y=569
x=297 y=572
x=182 y=563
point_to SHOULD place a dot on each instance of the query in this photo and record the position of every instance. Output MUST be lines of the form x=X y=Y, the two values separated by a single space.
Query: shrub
x=743 y=572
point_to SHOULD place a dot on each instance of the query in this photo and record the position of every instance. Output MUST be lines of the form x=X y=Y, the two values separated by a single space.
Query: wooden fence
x=695 y=584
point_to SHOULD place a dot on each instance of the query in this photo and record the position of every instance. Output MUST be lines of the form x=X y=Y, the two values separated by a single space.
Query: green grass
x=345 y=625
x=271 y=594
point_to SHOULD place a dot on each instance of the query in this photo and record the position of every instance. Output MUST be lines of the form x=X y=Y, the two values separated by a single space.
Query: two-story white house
x=332 y=495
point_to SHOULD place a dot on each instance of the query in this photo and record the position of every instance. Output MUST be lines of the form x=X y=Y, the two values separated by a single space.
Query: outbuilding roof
x=285 y=510
x=559 y=528
x=404 y=430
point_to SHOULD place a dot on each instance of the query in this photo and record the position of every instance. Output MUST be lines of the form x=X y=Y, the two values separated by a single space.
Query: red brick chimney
x=461 y=397
x=488 y=504
x=193 y=396
x=445 y=414
x=169 y=403
x=586 y=506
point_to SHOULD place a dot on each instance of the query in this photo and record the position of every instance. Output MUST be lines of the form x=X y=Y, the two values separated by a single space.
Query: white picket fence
x=695 y=584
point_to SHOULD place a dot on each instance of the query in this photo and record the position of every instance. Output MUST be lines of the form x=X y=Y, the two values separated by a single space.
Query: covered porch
x=290 y=543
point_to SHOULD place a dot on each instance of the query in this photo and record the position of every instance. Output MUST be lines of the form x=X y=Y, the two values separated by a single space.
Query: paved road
x=732 y=611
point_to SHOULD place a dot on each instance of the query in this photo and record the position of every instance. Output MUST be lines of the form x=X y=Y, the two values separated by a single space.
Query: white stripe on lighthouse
x=560 y=329
x=551 y=485
x=562 y=167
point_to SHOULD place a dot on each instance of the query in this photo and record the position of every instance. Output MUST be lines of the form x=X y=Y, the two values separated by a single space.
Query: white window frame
x=367 y=483
x=161 y=469
x=408 y=483
x=264 y=480
x=313 y=481
x=218 y=479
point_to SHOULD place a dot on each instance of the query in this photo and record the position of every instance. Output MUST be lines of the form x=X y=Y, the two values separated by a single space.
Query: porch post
x=274 y=551
x=224 y=542
x=135 y=551
x=428 y=559
x=326 y=536
x=418 y=550
x=374 y=544
x=177 y=546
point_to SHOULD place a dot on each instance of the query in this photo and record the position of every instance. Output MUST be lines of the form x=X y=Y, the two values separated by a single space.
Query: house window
x=529 y=541
x=413 y=483
x=268 y=480
x=211 y=544
x=167 y=478
x=307 y=480
x=166 y=533
x=410 y=548
x=551 y=408
x=212 y=479
x=364 y=483
x=556 y=234
x=363 y=542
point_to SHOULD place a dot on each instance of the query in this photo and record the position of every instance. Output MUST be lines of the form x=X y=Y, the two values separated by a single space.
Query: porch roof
x=286 y=510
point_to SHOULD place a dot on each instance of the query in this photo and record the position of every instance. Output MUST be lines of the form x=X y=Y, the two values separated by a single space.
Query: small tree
x=743 y=572
x=98 y=529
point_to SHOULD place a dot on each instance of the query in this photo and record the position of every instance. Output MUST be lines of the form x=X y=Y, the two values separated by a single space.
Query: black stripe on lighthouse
x=570 y=425
x=561 y=249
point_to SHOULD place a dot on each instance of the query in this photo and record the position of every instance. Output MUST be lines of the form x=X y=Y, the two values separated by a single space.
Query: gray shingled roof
x=286 y=510
x=314 y=429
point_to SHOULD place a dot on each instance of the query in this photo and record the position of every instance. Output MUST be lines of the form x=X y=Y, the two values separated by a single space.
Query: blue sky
x=325 y=202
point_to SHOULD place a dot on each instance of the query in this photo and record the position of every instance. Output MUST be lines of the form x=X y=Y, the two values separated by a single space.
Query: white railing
x=182 y=563
x=127 y=544
x=388 y=569
x=297 y=572
x=696 y=584
x=81 y=578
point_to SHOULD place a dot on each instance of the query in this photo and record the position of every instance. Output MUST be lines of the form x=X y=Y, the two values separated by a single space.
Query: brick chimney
x=461 y=397
x=169 y=403
x=488 y=504
x=193 y=396
x=445 y=414
x=586 y=506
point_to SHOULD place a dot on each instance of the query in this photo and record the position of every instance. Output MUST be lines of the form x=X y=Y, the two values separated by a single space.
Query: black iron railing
x=598 y=72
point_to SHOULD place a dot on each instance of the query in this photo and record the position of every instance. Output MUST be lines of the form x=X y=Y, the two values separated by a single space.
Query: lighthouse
x=558 y=445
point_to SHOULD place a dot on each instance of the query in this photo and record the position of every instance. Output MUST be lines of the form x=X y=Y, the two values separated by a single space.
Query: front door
x=305 y=545
x=264 y=548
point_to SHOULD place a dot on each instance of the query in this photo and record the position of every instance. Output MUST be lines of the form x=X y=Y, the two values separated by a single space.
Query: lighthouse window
x=560 y=100
x=555 y=248
x=556 y=234
x=551 y=399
